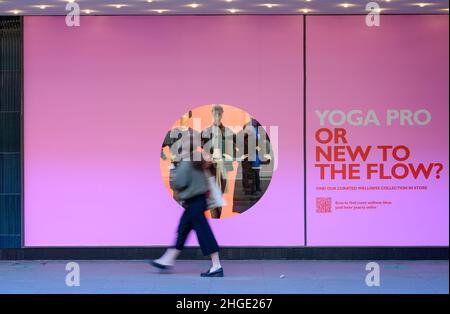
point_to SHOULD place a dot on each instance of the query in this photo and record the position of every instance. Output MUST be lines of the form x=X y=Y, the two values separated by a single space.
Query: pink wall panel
x=403 y=64
x=99 y=99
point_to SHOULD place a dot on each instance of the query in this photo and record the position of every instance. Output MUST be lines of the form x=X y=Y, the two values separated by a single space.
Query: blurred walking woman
x=189 y=182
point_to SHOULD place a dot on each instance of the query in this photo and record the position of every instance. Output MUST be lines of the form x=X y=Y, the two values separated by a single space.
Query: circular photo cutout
x=234 y=152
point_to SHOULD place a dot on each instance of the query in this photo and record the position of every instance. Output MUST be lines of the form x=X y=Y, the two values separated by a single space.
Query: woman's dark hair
x=199 y=165
x=190 y=114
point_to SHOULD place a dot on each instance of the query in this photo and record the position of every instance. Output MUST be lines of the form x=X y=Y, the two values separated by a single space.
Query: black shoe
x=216 y=273
x=160 y=266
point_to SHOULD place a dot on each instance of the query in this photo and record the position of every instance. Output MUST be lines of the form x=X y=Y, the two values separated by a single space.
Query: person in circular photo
x=236 y=152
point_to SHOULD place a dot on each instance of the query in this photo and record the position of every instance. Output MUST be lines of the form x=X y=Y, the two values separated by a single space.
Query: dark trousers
x=252 y=175
x=217 y=212
x=194 y=218
x=256 y=186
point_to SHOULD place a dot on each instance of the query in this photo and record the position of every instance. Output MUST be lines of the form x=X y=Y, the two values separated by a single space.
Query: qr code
x=323 y=204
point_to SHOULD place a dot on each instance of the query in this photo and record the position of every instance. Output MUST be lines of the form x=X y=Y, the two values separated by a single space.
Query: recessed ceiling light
x=305 y=10
x=422 y=4
x=270 y=5
x=346 y=5
x=194 y=5
x=88 y=11
x=233 y=10
x=119 y=6
x=160 y=11
x=15 y=12
x=228 y=0
x=42 y=6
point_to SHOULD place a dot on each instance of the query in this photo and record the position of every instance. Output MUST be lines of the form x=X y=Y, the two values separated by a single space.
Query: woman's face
x=184 y=119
